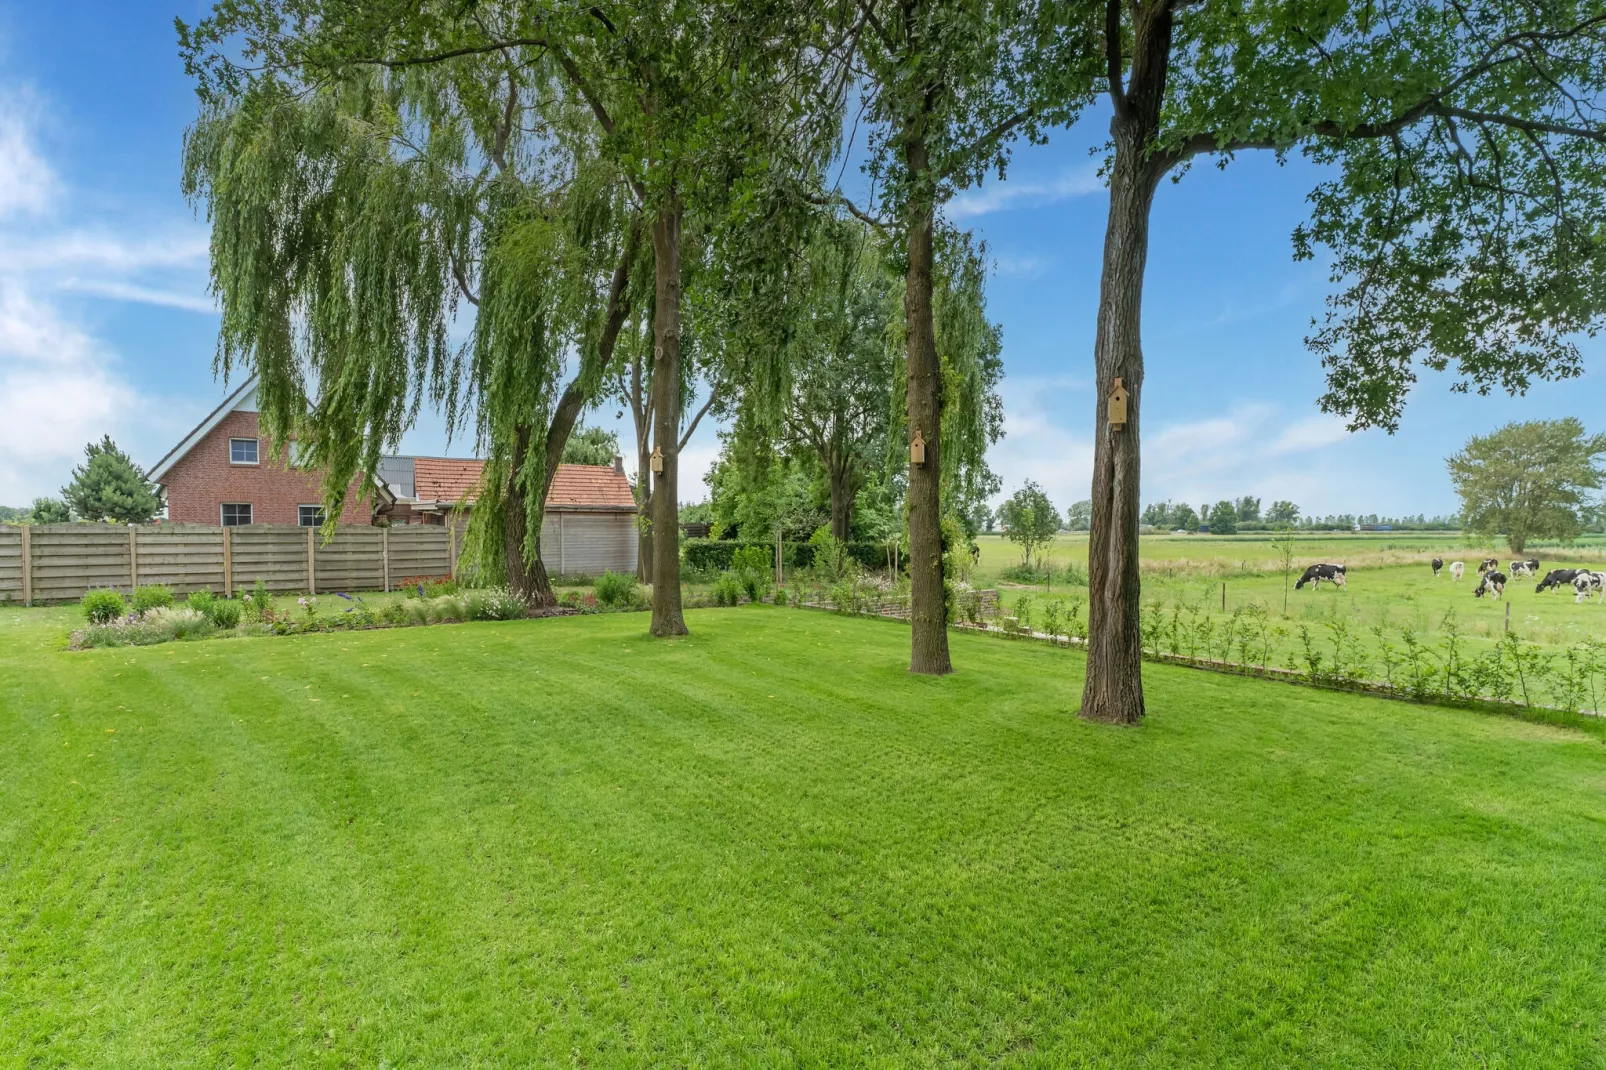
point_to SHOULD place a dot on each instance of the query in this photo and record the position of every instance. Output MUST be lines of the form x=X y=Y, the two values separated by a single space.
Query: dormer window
x=242 y=451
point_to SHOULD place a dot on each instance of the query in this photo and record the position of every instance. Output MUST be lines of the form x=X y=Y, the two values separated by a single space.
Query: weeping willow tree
x=357 y=220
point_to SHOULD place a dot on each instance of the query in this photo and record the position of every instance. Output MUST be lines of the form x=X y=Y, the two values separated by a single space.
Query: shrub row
x=718 y=555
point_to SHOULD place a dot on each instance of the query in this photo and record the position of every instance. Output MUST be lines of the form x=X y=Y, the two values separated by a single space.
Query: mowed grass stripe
x=576 y=844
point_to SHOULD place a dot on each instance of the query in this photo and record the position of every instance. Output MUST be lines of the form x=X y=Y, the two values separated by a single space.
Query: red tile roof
x=445 y=479
x=590 y=484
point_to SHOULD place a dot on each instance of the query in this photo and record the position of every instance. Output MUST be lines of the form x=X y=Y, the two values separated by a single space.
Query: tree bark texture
x=1113 y=691
x=667 y=617
x=928 y=613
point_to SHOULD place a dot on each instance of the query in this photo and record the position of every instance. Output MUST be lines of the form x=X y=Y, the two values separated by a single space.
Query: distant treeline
x=1228 y=517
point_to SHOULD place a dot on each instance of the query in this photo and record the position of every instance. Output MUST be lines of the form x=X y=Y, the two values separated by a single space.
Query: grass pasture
x=1391 y=586
x=563 y=843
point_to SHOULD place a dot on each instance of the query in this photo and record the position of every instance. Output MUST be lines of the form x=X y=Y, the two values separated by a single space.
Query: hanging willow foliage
x=350 y=220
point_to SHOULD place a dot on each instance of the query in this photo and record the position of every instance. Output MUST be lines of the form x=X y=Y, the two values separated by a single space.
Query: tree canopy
x=591 y=445
x=1528 y=480
x=1030 y=520
x=1463 y=161
x=108 y=486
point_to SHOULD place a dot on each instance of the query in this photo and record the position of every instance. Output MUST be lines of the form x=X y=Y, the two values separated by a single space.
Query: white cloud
x=1022 y=267
x=61 y=385
x=27 y=184
x=145 y=295
x=1019 y=193
x=1255 y=448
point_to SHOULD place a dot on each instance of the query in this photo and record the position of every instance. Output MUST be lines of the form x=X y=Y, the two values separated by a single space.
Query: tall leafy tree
x=591 y=445
x=840 y=404
x=109 y=486
x=1529 y=480
x=1030 y=520
x=355 y=208
x=948 y=86
x=694 y=104
x=1464 y=149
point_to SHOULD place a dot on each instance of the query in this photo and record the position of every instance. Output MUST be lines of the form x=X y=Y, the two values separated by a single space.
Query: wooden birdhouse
x=1117 y=405
x=917 y=448
x=657 y=460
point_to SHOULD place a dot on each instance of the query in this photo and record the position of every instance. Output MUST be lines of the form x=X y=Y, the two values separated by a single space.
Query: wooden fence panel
x=185 y=557
x=69 y=559
x=352 y=561
x=418 y=550
x=276 y=554
x=10 y=564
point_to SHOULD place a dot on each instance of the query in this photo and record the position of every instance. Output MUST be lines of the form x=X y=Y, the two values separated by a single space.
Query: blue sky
x=106 y=326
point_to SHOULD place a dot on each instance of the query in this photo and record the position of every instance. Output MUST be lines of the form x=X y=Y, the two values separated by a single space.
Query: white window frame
x=256 y=452
x=250 y=513
x=301 y=516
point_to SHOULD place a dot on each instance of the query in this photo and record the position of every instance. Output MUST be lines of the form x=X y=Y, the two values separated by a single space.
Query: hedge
x=715 y=555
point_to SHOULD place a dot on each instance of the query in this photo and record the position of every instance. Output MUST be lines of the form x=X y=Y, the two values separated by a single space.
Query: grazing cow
x=1333 y=574
x=1529 y=567
x=1555 y=578
x=1456 y=569
x=1438 y=563
x=1488 y=565
x=1492 y=581
x=1587 y=583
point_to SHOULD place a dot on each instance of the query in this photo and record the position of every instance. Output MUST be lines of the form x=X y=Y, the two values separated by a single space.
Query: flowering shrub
x=309 y=605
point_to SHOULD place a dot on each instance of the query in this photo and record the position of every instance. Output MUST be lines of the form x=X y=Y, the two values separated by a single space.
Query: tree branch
x=1112 y=53
x=836 y=197
x=695 y=420
x=997 y=131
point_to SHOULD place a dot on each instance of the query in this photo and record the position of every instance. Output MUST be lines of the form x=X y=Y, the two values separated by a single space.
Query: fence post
x=1224 y=596
x=312 y=561
x=133 y=557
x=1508 y=616
x=384 y=553
x=27 y=566
x=228 y=563
x=451 y=542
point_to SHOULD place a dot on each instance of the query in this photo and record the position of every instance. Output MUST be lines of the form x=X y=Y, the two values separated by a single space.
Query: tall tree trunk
x=526 y=578
x=667 y=618
x=644 y=517
x=1113 y=691
x=928 y=613
x=841 y=498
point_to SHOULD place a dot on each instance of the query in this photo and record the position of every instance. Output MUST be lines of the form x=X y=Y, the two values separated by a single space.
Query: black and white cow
x=1529 y=567
x=1492 y=581
x=1587 y=583
x=1488 y=565
x=1557 y=577
x=1333 y=574
x=1438 y=563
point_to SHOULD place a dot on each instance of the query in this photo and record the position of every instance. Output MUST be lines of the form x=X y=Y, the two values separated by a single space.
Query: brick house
x=223 y=473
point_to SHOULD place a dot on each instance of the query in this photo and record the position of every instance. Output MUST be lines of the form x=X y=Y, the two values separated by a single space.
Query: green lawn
x=562 y=843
